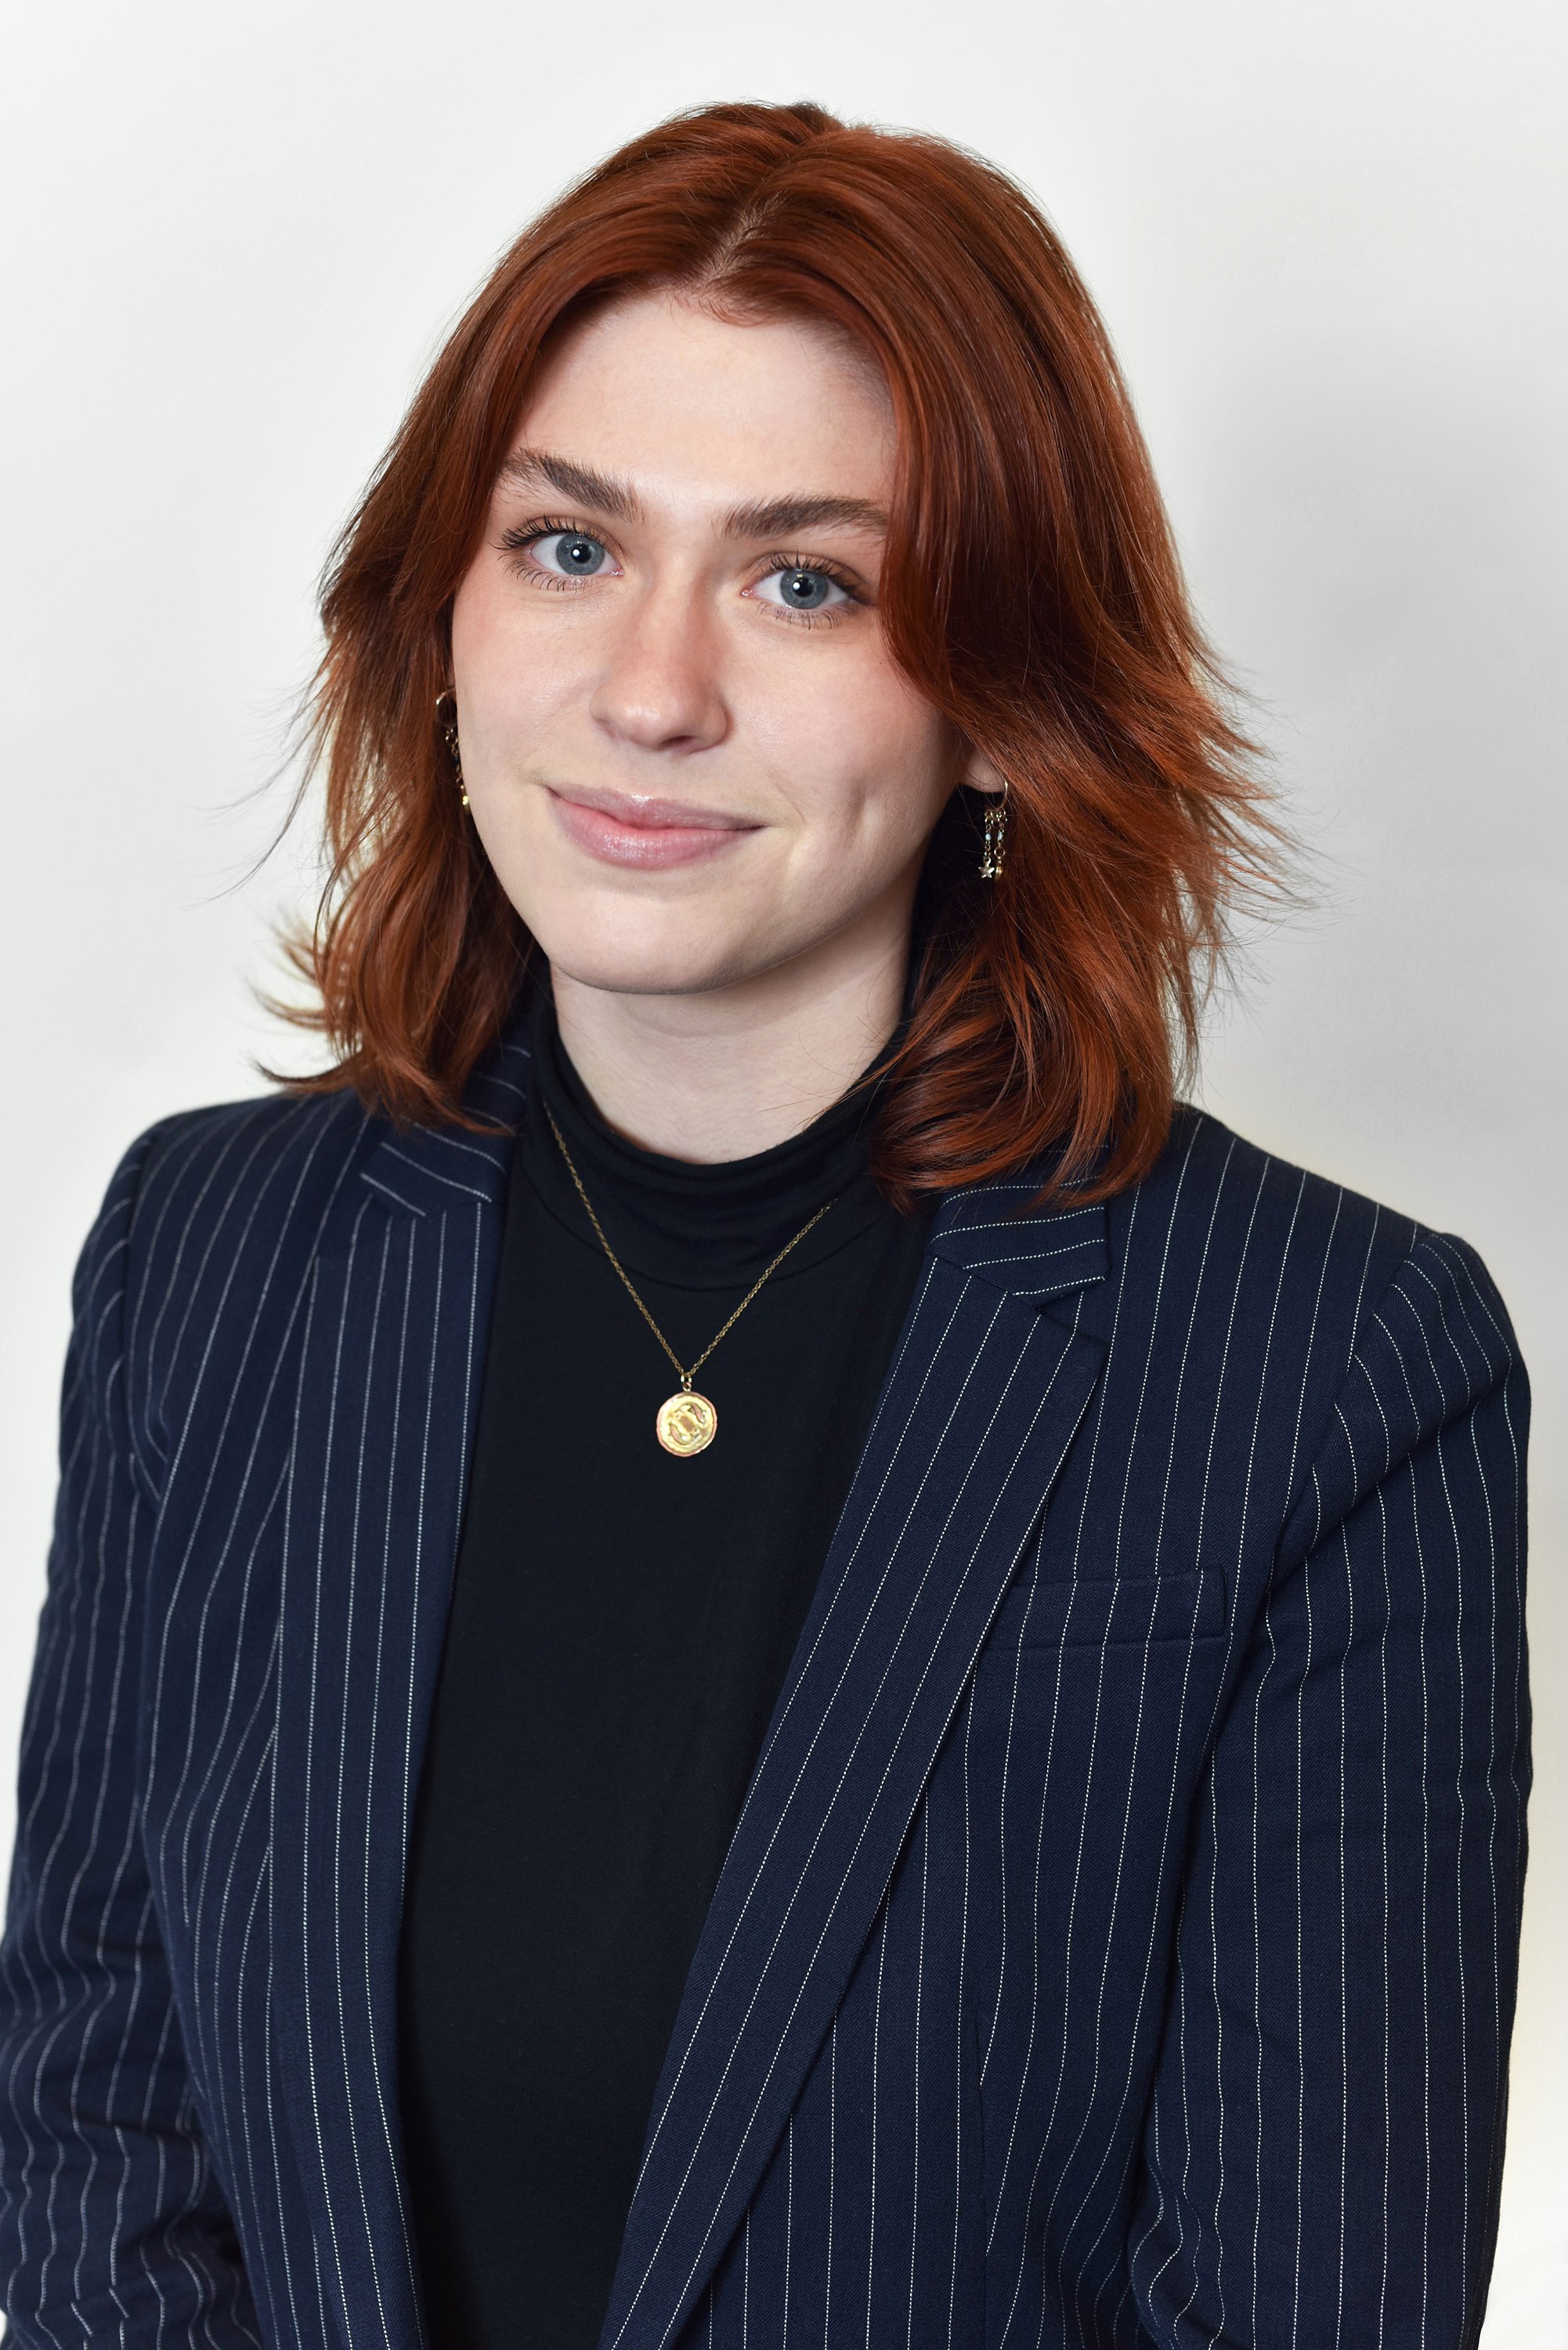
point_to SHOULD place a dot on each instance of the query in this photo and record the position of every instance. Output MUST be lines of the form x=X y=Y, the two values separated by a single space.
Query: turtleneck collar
x=697 y=1226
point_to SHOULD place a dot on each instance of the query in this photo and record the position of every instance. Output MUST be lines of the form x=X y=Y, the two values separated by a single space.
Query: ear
x=980 y=775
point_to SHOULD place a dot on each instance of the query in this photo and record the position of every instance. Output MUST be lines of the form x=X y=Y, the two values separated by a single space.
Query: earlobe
x=981 y=775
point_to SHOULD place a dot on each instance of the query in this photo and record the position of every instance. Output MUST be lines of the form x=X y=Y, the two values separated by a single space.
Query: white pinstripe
x=797 y=1681
x=817 y=1840
x=1077 y=1872
x=230 y=1196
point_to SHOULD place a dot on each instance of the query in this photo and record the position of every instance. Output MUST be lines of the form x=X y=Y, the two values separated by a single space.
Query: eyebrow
x=763 y=518
x=778 y=517
x=531 y=468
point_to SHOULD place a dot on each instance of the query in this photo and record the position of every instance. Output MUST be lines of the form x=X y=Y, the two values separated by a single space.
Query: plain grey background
x=1329 y=241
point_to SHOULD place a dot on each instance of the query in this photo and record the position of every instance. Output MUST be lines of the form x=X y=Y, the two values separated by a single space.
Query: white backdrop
x=1330 y=243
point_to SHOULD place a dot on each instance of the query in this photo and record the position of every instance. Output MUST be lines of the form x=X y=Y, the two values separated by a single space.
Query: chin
x=680 y=965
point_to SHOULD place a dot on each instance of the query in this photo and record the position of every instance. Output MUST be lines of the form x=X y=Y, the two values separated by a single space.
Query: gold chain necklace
x=687 y=1422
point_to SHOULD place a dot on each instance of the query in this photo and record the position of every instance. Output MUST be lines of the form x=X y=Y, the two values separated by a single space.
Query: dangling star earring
x=449 y=728
x=993 y=836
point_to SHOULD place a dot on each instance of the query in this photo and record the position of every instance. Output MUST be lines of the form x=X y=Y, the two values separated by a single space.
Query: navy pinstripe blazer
x=1116 y=1946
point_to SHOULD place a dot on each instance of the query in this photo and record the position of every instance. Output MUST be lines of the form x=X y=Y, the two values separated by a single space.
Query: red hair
x=1031 y=591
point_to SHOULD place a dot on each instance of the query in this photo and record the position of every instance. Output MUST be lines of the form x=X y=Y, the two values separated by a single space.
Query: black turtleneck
x=621 y=1625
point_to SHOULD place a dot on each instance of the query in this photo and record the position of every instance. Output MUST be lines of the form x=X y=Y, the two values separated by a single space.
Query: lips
x=650 y=835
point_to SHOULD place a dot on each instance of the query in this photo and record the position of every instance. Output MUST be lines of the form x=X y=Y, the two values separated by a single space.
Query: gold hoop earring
x=993 y=836
x=449 y=728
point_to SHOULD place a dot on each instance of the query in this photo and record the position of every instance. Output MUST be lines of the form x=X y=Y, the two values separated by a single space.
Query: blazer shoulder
x=1302 y=1231
x=225 y=1157
x=1275 y=1208
x=1280 y=1303
x=213 y=1187
x=215 y=1216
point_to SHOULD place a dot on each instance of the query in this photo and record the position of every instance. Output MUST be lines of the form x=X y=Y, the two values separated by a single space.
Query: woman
x=743 y=1647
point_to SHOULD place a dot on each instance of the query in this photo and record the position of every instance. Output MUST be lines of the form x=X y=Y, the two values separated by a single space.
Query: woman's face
x=689 y=755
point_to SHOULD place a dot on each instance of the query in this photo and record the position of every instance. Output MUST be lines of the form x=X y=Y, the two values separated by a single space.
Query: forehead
x=690 y=407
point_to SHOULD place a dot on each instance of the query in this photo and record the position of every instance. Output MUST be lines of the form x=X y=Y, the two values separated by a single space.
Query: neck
x=725 y=1073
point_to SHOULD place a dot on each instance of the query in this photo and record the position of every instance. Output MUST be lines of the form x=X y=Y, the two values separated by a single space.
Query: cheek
x=507 y=692
x=868 y=766
x=475 y=619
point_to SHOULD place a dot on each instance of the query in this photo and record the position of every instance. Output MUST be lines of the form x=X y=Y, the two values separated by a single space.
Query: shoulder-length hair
x=1031 y=591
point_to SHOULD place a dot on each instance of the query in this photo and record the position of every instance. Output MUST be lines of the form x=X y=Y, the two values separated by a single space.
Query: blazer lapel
x=975 y=1420
x=396 y=1322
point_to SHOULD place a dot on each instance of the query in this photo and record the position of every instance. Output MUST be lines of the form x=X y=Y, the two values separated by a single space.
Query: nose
x=659 y=688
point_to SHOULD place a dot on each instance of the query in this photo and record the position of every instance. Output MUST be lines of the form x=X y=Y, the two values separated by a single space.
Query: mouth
x=624 y=828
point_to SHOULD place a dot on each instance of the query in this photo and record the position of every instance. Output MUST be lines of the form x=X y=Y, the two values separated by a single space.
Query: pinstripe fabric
x=1116 y=1945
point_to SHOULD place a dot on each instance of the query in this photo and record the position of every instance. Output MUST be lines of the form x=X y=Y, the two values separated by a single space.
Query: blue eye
x=799 y=588
x=570 y=554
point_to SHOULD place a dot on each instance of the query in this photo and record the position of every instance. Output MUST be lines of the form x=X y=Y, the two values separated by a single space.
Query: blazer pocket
x=1091 y=1610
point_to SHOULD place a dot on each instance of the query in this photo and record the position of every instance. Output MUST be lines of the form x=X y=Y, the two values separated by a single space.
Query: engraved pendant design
x=686 y=1424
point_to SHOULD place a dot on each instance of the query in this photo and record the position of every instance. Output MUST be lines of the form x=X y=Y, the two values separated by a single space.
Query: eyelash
x=518 y=540
x=840 y=578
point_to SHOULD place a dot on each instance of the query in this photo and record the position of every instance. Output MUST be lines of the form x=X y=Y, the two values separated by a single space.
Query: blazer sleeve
x=112 y=2228
x=1323 y=2152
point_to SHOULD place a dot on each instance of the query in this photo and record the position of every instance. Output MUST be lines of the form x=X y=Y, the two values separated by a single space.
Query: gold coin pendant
x=686 y=1424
